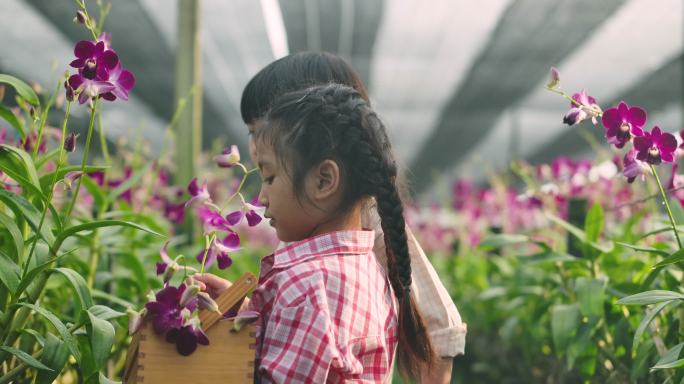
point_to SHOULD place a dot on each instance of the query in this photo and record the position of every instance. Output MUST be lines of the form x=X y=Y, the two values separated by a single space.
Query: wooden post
x=188 y=75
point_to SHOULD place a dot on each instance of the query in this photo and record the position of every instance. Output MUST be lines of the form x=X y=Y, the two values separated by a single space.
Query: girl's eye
x=269 y=180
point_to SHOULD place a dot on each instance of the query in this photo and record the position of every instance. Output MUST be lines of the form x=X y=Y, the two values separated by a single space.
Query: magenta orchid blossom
x=655 y=146
x=248 y=211
x=100 y=72
x=633 y=167
x=198 y=194
x=622 y=123
x=219 y=251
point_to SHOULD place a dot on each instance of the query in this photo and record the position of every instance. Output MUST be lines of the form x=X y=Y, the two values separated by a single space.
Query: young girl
x=304 y=69
x=326 y=305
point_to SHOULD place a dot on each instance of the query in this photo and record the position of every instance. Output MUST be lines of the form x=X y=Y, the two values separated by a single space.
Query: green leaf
x=22 y=208
x=23 y=89
x=11 y=118
x=55 y=355
x=492 y=293
x=104 y=312
x=36 y=335
x=28 y=169
x=644 y=249
x=548 y=257
x=101 y=334
x=59 y=326
x=114 y=299
x=10 y=273
x=78 y=283
x=677 y=211
x=46 y=179
x=565 y=319
x=501 y=240
x=650 y=315
x=99 y=224
x=674 y=258
x=591 y=294
x=650 y=297
x=95 y=190
x=15 y=233
x=26 y=358
x=671 y=358
x=593 y=224
x=642 y=359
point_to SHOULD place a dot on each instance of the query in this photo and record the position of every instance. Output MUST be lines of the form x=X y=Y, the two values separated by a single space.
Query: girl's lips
x=272 y=222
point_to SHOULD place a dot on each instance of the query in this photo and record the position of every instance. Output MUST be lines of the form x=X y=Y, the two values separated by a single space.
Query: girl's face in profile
x=292 y=219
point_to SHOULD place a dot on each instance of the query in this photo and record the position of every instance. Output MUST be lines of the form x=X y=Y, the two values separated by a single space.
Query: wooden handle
x=228 y=299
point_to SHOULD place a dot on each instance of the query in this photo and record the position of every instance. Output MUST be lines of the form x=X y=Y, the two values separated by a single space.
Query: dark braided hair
x=334 y=122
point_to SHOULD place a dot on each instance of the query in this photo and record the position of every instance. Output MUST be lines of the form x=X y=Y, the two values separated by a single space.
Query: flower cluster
x=623 y=124
x=174 y=310
x=100 y=73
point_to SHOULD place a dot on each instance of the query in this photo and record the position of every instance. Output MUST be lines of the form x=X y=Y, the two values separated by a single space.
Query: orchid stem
x=83 y=162
x=242 y=182
x=598 y=113
x=667 y=206
x=207 y=244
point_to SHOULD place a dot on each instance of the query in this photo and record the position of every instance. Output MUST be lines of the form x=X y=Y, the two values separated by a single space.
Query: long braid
x=334 y=122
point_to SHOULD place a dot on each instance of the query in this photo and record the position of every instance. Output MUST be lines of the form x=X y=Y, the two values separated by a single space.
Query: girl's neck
x=351 y=221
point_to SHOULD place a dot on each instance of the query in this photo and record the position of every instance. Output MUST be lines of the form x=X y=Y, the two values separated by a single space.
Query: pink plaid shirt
x=328 y=313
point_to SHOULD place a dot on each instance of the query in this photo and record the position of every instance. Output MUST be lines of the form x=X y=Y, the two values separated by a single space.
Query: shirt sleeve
x=443 y=321
x=298 y=346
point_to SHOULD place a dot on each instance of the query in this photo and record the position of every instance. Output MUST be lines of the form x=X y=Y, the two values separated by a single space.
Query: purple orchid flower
x=229 y=157
x=634 y=167
x=188 y=337
x=622 y=123
x=166 y=309
x=219 y=250
x=249 y=211
x=88 y=89
x=174 y=212
x=584 y=107
x=198 y=194
x=122 y=80
x=655 y=146
x=212 y=220
x=93 y=60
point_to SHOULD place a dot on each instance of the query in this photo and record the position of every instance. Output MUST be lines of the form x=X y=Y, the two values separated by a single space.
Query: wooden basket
x=229 y=358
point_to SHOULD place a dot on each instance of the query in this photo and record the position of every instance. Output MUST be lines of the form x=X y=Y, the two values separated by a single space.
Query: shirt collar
x=326 y=244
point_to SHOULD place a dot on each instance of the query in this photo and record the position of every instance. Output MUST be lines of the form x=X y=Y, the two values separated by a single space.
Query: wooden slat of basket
x=228 y=299
x=229 y=358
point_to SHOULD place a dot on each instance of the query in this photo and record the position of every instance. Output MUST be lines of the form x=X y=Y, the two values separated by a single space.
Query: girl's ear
x=325 y=181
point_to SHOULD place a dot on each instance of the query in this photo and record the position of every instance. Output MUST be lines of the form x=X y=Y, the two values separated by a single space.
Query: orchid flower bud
x=554 y=79
x=229 y=157
x=190 y=292
x=206 y=302
x=135 y=320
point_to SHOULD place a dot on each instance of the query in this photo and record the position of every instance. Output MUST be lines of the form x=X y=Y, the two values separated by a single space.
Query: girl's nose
x=262 y=197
